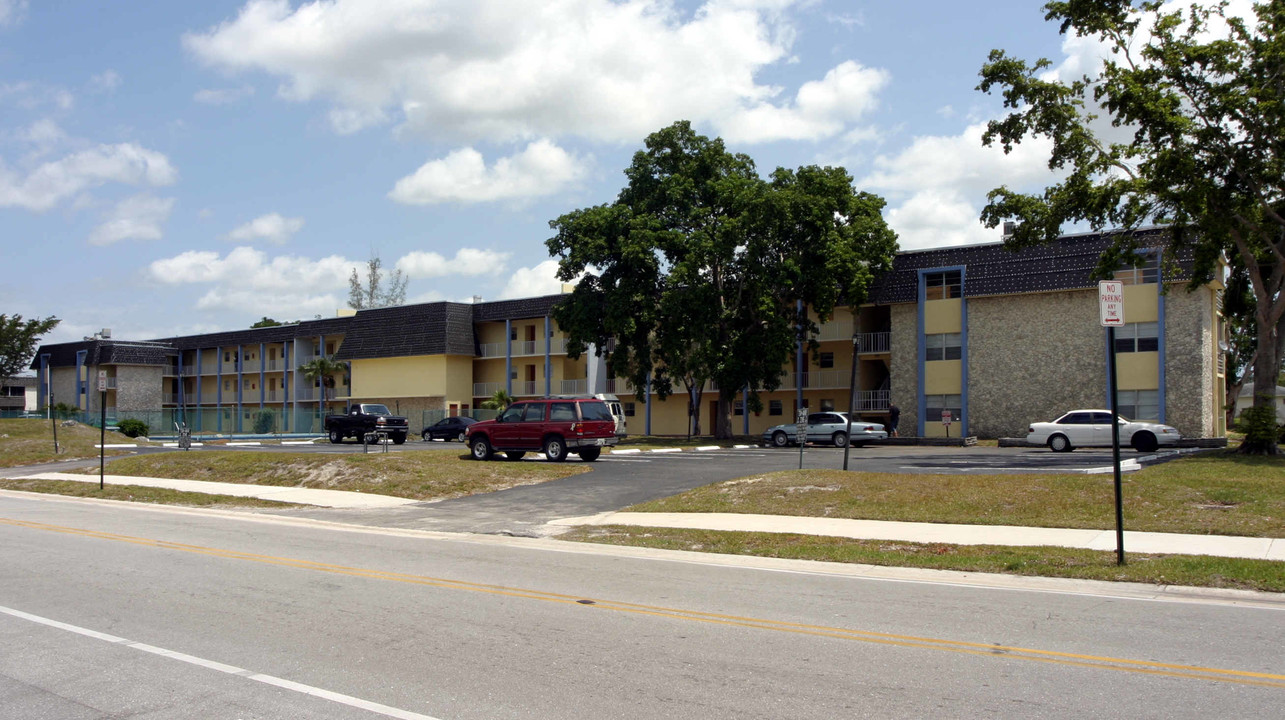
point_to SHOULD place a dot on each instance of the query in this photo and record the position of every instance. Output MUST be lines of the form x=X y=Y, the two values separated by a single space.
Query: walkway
x=302 y=496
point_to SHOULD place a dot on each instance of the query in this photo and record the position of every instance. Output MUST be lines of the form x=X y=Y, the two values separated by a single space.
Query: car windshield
x=595 y=411
x=375 y=409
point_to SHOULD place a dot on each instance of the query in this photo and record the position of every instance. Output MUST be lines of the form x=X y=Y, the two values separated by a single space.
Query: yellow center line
x=981 y=649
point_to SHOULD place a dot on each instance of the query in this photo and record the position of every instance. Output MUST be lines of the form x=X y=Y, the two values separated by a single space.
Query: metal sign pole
x=102 y=433
x=1115 y=448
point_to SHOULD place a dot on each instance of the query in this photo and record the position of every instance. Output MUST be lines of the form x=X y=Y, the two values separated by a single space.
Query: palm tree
x=499 y=401
x=323 y=369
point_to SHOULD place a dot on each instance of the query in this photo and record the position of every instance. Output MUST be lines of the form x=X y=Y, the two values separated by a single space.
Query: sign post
x=801 y=428
x=102 y=423
x=945 y=420
x=1111 y=313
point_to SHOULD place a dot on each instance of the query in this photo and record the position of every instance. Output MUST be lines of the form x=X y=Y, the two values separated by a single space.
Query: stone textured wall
x=904 y=354
x=63 y=382
x=139 y=387
x=1192 y=397
x=1032 y=358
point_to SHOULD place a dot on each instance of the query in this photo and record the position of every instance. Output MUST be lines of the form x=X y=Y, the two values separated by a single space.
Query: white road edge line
x=227 y=669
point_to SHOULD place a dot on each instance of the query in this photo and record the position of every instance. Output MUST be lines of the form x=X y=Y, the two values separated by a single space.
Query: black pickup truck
x=363 y=418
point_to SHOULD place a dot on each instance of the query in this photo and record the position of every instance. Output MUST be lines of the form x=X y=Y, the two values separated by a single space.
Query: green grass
x=136 y=493
x=1190 y=570
x=30 y=441
x=420 y=475
x=1218 y=493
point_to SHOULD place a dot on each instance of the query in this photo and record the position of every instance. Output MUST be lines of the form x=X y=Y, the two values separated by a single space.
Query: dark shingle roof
x=105 y=352
x=992 y=269
x=274 y=334
x=409 y=330
x=533 y=307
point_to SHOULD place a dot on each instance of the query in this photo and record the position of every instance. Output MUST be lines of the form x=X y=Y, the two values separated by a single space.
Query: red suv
x=556 y=425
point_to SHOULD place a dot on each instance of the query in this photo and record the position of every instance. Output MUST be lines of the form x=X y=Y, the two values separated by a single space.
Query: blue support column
x=240 y=384
x=80 y=382
x=798 y=360
x=745 y=410
x=263 y=367
x=218 y=389
x=199 y=410
x=508 y=356
x=44 y=383
x=548 y=356
x=182 y=396
x=647 y=408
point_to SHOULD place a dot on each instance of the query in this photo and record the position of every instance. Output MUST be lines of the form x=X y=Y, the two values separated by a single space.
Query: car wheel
x=1059 y=443
x=555 y=449
x=840 y=439
x=399 y=439
x=336 y=437
x=463 y=437
x=590 y=454
x=780 y=439
x=481 y=449
x=513 y=454
x=426 y=436
x=1144 y=442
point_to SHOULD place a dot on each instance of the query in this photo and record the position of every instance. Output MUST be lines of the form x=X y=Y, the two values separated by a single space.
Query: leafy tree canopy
x=375 y=293
x=697 y=270
x=18 y=341
x=1197 y=100
x=266 y=322
x=323 y=369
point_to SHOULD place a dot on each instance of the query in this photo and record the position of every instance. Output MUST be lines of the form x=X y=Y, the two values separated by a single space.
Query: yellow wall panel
x=418 y=376
x=1141 y=303
x=943 y=377
x=943 y=316
x=1137 y=371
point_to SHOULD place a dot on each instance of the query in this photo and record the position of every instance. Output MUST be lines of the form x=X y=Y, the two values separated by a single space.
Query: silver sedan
x=830 y=428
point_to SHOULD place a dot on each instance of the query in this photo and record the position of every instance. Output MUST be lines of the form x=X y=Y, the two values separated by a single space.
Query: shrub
x=1260 y=428
x=62 y=411
x=264 y=422
x=130 y=427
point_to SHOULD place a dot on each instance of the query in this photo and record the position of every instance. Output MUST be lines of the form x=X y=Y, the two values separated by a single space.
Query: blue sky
x=172 y=168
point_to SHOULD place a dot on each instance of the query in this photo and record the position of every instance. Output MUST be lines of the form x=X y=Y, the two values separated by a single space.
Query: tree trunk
x=694 y=408
x=1267 y=368
x=724 y=420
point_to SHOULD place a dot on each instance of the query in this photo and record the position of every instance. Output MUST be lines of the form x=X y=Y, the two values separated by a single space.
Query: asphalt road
x=111 y=611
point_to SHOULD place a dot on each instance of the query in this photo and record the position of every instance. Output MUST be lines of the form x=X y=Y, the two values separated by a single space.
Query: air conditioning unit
x=106 y=333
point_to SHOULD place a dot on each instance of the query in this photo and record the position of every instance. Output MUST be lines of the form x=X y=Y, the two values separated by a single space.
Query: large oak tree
x=697 y=272
x=1199 y=97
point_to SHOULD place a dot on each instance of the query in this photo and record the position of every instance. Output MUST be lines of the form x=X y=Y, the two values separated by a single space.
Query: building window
x=738 y=408
x=1137 y=337
x=943 y=285
x=513 y=333
x=330 y=348
x=773 y=407
x=629 y=409
x=1148 y=271
x=827 y=360
x=934 y=405
x=1139 y=404
x=943 y=346
x=827 y=406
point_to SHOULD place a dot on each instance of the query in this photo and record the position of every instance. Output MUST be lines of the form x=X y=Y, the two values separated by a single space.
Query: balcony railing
x=486 y=389
x=529 y=387
x=274 y=366
x=111 y=383
x=307 y=394
x=189 y=371
x=619 y=386
x=526 y=347
x=169 y=399
x=487 y=350
x=872 y=400
x=836 y=330
x=820 y=379
x=574 y=387
x=557 y=346
x=874 y=343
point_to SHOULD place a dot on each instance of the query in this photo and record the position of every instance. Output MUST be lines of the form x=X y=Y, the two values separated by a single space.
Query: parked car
x=1092 y=428
x=826 y=427
x=555 y=425
x=617 y=412
x=362 y=419
x=451 y=428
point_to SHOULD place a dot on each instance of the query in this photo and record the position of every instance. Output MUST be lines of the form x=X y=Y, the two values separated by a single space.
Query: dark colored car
x=451 y=428
x=557 y=426
x=363 y=419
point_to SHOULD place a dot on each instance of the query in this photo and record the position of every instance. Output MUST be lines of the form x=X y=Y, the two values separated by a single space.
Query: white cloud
x=467 y=261
x=246 y=279
x=50 y=183
x=533 y=281
x=941 y=184
x=821 y=109
x=462 y=176
x=11 y=11
x=511 y=70
x=223 y=96
x=272 y=227
x=30 y=96
x=136 y=218
x=105 y=82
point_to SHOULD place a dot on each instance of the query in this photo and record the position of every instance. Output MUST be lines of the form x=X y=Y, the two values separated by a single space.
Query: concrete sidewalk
x=1143 y=542
x=303 y=496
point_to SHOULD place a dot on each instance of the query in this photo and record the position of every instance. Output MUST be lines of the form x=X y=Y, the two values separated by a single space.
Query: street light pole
x=852 y=388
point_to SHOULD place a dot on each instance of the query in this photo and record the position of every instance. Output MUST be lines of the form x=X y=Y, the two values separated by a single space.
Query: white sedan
x=1092 y=428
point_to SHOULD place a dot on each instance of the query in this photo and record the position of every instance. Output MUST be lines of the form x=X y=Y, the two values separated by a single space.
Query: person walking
x=894 y=417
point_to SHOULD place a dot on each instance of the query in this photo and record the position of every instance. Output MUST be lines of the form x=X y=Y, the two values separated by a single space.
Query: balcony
x=619 y=386
x=189 y=371
x=878 y=343
x=486 y=389
x=835 y=330
x=307 y=394
x=557 y=346
x=574 y=387
x=530 y=387
x=819 y=379
x=169 y=399
x=872 y=400
x=274 y=366
x=490 y=350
